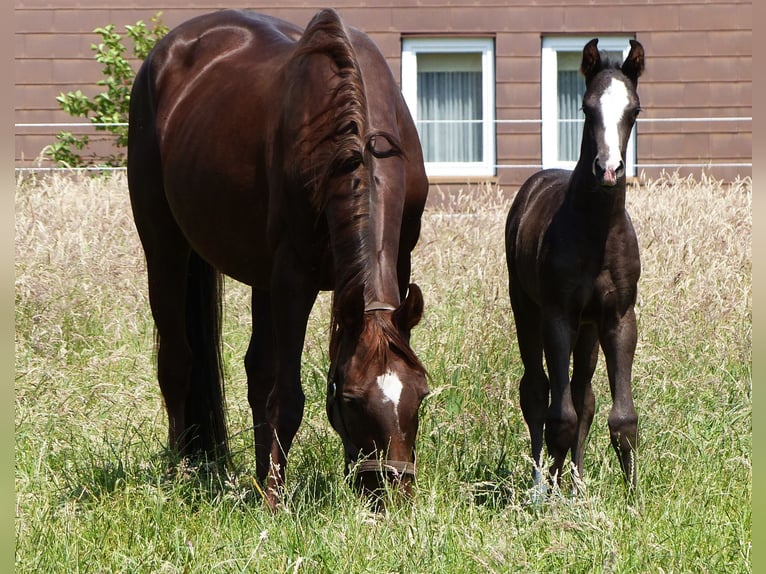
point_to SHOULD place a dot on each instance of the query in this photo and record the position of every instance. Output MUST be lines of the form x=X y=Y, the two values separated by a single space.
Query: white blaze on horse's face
x=614 y=101
x=391 y=387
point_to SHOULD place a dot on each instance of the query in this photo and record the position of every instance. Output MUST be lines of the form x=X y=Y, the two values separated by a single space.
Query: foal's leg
x=618 y=340
x=561 y=418
x=534 y=386
x=584 y=362
x=260 y=364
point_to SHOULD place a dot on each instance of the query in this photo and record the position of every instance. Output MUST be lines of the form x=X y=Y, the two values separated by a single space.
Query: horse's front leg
x=561 y=418
x=293 y=292
x=618 y=340
x=260 y=364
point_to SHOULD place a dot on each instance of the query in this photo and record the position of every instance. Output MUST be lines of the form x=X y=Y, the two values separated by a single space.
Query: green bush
x=108 y=109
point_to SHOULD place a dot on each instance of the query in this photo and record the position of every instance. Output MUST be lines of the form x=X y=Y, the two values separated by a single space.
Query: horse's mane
x=385 y=338
x=342 y=145
x=335 y=144
x=343 y=123
x=389 y=339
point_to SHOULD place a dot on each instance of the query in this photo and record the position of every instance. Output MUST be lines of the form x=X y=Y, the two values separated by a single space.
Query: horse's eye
x=351 y=401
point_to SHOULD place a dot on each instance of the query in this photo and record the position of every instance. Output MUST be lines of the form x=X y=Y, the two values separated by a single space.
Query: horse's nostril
x=597 y=169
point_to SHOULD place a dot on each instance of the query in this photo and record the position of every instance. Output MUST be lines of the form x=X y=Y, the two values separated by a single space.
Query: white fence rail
x=639 y=165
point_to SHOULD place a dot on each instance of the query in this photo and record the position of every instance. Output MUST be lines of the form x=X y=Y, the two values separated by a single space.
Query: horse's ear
x=633 y=66
x=410 y=311
x=350 y=308
x=591 y=60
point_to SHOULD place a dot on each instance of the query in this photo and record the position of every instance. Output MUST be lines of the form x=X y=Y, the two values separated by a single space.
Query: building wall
x=698 y=55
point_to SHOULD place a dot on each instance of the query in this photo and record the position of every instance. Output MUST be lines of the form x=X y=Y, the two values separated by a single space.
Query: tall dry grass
x=90 y=427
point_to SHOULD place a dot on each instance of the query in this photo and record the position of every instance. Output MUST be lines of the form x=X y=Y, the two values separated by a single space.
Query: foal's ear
x=410 y=311
x=591 y=60
x=633 y=65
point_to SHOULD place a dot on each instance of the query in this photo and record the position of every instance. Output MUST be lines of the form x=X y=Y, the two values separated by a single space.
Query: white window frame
x=549 y=92
x=411 y=47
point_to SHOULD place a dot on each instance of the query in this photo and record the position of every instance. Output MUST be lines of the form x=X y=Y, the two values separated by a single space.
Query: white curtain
x=571 y=89
x=450 y=107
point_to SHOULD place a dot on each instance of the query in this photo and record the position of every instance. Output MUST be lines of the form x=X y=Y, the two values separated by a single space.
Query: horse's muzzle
x=396 y=469
x=372 y=476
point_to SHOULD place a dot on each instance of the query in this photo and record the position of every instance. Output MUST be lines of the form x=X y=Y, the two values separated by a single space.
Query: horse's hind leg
x=618 y=340
x=167 y=264
x=584 y=362
x=534 y=385
x=260 y=364
x=167 y=256
x=174 y=355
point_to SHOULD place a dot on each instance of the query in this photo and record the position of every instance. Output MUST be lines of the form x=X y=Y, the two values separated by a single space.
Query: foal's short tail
x=205 y=406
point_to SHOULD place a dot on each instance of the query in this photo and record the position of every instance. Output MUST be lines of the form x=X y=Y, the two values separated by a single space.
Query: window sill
x=462 y=179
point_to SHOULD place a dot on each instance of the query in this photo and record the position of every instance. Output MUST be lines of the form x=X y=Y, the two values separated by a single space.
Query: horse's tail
x=205 y=408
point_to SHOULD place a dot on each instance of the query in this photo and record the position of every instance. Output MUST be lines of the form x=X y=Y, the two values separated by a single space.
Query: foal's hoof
x=538 y=494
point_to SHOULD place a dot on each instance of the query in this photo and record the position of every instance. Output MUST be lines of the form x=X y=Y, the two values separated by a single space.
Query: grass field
x=93 y=495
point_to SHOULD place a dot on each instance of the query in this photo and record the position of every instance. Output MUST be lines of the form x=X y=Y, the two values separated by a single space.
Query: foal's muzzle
x=608 y=176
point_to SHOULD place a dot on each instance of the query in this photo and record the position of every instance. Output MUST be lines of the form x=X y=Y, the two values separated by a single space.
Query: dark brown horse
x=288 y=160
x=573 y=268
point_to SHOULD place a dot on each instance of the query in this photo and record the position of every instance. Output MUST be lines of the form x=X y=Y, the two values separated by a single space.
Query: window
x=562 y=89
x=449 y=86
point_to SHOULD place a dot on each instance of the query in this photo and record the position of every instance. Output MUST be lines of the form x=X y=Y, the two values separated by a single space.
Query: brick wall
x=699 y=60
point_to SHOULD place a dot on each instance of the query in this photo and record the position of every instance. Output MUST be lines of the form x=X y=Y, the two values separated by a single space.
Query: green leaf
x=111 y=105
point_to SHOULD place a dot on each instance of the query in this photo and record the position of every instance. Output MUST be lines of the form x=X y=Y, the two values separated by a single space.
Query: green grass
x=92 y=489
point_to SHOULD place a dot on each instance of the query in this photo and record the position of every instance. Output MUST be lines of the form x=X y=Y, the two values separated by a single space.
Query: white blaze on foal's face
x=613 y=101
x=391 y=386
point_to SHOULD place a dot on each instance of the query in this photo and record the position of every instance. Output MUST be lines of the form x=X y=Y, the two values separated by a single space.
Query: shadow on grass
x=492 y=486
x=93 y=473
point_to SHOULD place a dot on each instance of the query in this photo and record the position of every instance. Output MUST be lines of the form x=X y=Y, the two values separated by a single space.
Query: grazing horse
x=573 y=268
x=287 y=160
